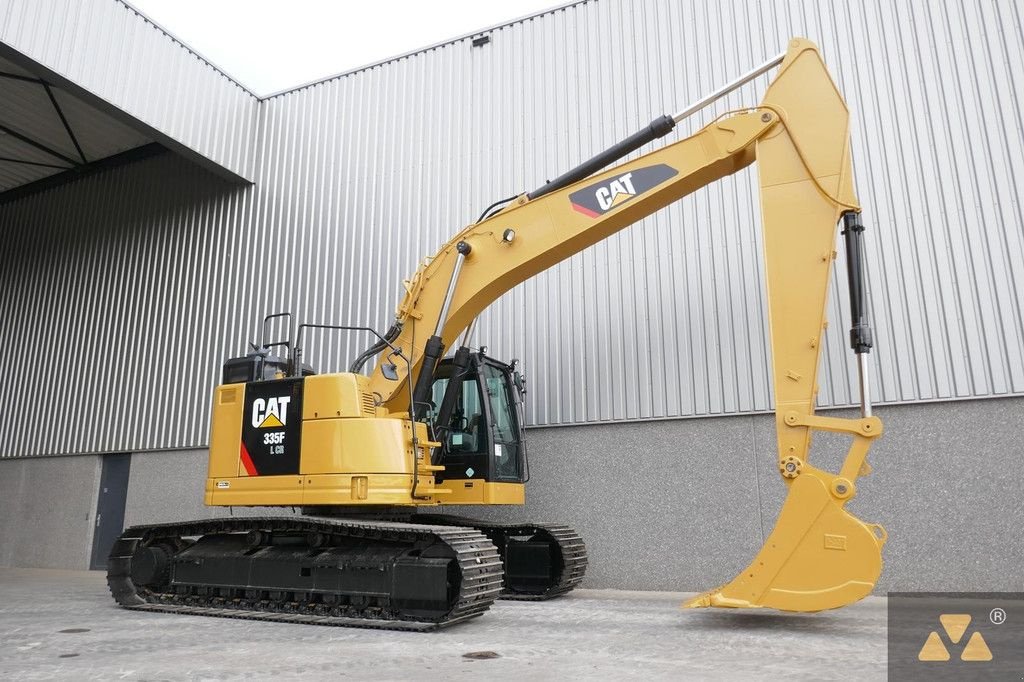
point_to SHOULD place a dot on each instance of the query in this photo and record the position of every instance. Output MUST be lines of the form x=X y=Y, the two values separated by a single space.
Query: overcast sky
x=270 y=45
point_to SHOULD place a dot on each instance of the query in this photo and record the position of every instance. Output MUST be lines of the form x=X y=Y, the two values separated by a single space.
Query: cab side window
x=466 y=431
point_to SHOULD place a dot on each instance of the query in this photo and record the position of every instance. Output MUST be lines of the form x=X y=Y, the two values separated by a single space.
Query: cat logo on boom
x=620 y=189
x=270 y=413
x=601 y=197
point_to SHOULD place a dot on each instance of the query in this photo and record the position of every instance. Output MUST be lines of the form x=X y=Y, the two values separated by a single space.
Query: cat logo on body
x=601 y=197
x=270 y=413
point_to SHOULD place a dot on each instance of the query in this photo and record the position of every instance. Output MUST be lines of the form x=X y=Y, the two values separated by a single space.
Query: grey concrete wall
x=168 y=486
x=669 y=505
x=48 y=504
x=47 y=509
x=685 y=505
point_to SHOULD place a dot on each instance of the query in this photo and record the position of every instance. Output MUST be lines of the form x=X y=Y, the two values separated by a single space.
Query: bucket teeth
x=717 y=599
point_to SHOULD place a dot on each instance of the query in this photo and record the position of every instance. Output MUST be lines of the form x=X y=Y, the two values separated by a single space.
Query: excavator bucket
x=819 y=556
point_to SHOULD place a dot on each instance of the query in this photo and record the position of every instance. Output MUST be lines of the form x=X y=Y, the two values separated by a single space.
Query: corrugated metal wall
x=110 y=50
x=362 y=175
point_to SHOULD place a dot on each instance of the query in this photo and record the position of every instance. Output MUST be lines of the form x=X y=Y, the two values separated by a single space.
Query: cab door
x=480 y=426
x=507 y=443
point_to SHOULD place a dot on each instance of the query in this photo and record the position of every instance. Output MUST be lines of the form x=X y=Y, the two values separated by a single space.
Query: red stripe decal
x=250 y=468
x=585 y=211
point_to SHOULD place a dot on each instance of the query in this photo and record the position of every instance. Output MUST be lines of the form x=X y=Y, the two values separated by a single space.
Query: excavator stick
x=819 y=556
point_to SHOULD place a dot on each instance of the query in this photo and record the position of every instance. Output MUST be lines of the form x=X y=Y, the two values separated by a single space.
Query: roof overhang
x=121 y=83
x=48 y=133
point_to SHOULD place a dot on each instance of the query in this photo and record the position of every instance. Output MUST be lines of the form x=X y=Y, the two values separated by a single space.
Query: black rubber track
x=570 y=545
x=479 y=562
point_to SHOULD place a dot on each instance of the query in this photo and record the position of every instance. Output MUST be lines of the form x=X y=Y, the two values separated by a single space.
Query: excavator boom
x=819 y=556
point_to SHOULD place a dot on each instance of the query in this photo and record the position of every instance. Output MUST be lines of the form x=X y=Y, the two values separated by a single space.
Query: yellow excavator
x=361 y=455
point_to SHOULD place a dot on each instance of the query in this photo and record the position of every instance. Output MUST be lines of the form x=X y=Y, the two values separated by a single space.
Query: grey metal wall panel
x=360 y=176
x=112 y=51
x=109 y=288
x=668 y=318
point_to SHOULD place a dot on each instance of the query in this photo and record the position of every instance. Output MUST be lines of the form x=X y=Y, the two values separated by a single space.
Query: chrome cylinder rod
x=729 y=87
x=467 y=336
x=463 y=249
x=864 y=372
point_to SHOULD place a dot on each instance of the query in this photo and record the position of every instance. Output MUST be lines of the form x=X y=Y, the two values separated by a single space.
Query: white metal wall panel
x=360 y=176
x=110 y=50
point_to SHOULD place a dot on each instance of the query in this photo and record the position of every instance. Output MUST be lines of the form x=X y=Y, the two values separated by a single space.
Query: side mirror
x=390 y=369
x=520 y=381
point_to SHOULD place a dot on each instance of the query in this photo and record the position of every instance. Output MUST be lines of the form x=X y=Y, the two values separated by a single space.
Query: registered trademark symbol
x=997 y=616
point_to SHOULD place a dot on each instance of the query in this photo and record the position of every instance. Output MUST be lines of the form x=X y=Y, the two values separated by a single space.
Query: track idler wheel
x=151 y=564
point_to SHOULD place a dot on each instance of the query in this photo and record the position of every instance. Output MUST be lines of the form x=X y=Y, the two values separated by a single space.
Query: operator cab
x=477 y=418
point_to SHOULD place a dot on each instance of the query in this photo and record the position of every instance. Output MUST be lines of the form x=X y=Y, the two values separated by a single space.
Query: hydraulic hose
x=390 y=335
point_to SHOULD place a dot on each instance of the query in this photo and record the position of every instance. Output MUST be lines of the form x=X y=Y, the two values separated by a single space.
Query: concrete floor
x=590 y=634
